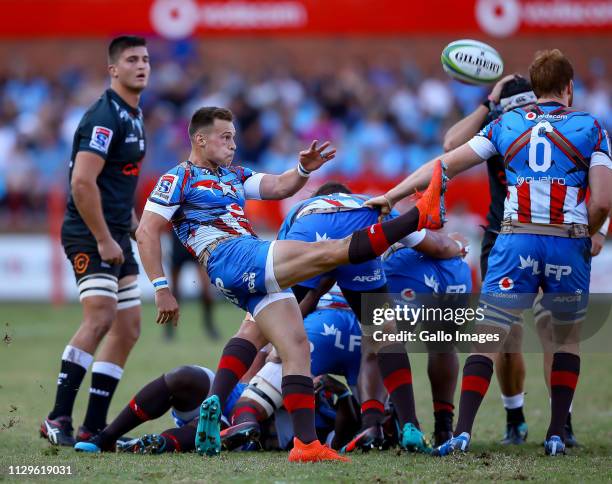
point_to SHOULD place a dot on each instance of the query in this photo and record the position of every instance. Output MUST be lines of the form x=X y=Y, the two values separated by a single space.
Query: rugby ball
x=472 y=62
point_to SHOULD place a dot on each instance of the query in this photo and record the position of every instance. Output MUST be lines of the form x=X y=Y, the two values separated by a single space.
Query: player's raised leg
x=296 y=261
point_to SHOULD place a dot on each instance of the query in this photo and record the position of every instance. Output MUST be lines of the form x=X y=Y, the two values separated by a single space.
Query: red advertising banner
x=177 y=19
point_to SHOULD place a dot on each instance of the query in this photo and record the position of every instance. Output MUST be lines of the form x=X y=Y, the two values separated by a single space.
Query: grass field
x=34 y=337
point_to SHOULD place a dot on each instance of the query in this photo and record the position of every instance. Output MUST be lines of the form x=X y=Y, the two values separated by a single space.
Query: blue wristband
x=160 y=283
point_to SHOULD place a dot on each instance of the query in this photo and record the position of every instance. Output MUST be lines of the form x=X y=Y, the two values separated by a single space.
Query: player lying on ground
x=180 y=390
x=546 y=220
x=204 y=198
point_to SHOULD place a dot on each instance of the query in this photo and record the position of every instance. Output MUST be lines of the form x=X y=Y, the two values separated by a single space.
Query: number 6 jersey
x=547 y=150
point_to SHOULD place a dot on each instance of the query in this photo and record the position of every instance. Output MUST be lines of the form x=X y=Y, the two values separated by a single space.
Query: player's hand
x=167 y=307
x=381 y=203
x=495 y=95
x=110 y=251
x=597 y=242
x=463 y=243
x=314 y=157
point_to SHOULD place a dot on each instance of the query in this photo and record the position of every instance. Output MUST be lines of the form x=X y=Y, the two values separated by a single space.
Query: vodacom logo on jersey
x=502 y=18
x=177 y=19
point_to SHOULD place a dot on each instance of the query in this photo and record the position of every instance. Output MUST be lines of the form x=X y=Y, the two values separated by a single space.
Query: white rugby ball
x=472 y=62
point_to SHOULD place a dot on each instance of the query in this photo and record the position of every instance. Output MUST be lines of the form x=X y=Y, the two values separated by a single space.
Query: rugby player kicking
x=204 y=198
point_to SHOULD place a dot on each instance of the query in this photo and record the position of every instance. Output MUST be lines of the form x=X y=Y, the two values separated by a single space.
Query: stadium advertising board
x=177 y=19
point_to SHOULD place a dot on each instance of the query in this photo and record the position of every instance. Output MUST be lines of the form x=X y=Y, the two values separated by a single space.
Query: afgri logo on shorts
x=408 y=294
x=505 y=283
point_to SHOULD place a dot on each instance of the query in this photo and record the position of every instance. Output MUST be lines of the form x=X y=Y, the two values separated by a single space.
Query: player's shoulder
x=101 y=109
x=238 y=171
x=178 y=173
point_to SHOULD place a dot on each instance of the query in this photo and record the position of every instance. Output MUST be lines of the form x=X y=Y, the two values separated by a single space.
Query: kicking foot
x=431 y=206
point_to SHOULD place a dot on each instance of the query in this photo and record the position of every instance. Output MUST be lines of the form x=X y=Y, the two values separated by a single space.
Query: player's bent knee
x=98 y=325
x=296 y=348
x=183 y=377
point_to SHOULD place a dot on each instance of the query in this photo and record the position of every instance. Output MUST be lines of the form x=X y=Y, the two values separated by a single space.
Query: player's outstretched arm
x=86 y=195
x=600 y=203
x=148 y=236
x=277 y=187
x=462 y=131
x=457 y=161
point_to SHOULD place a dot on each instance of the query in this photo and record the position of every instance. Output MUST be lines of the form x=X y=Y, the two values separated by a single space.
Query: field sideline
x=34 y=336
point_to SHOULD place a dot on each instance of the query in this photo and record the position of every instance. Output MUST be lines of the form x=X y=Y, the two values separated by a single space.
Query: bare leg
x=108 y=367
x=281 y=323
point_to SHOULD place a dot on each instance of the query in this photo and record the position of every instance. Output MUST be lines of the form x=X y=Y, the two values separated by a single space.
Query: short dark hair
x=204 y=117
x=119 y=44
x=331 y=187
x=550 y=72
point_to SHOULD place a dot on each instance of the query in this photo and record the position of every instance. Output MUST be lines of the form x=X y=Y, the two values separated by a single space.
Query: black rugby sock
x=72 y=371
x=151 y=402
x=180 y=439
x=238 y=355
x=298 y=399
x=397 y=377
x=104 y=380
x=563 y=381
x=371 y=242
x=477 y=373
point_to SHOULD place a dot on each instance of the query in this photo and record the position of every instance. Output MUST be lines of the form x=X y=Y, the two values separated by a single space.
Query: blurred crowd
x=386 y=120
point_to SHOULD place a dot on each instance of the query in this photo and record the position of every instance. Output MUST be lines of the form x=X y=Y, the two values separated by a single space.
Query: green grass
x=29 y=361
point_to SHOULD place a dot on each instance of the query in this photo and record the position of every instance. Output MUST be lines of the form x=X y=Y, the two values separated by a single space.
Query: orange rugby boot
x=431 y=202
x=313 y=452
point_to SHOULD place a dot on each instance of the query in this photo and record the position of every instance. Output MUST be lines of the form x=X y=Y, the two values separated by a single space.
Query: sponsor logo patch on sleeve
x=101 y=138
x=165 y=187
